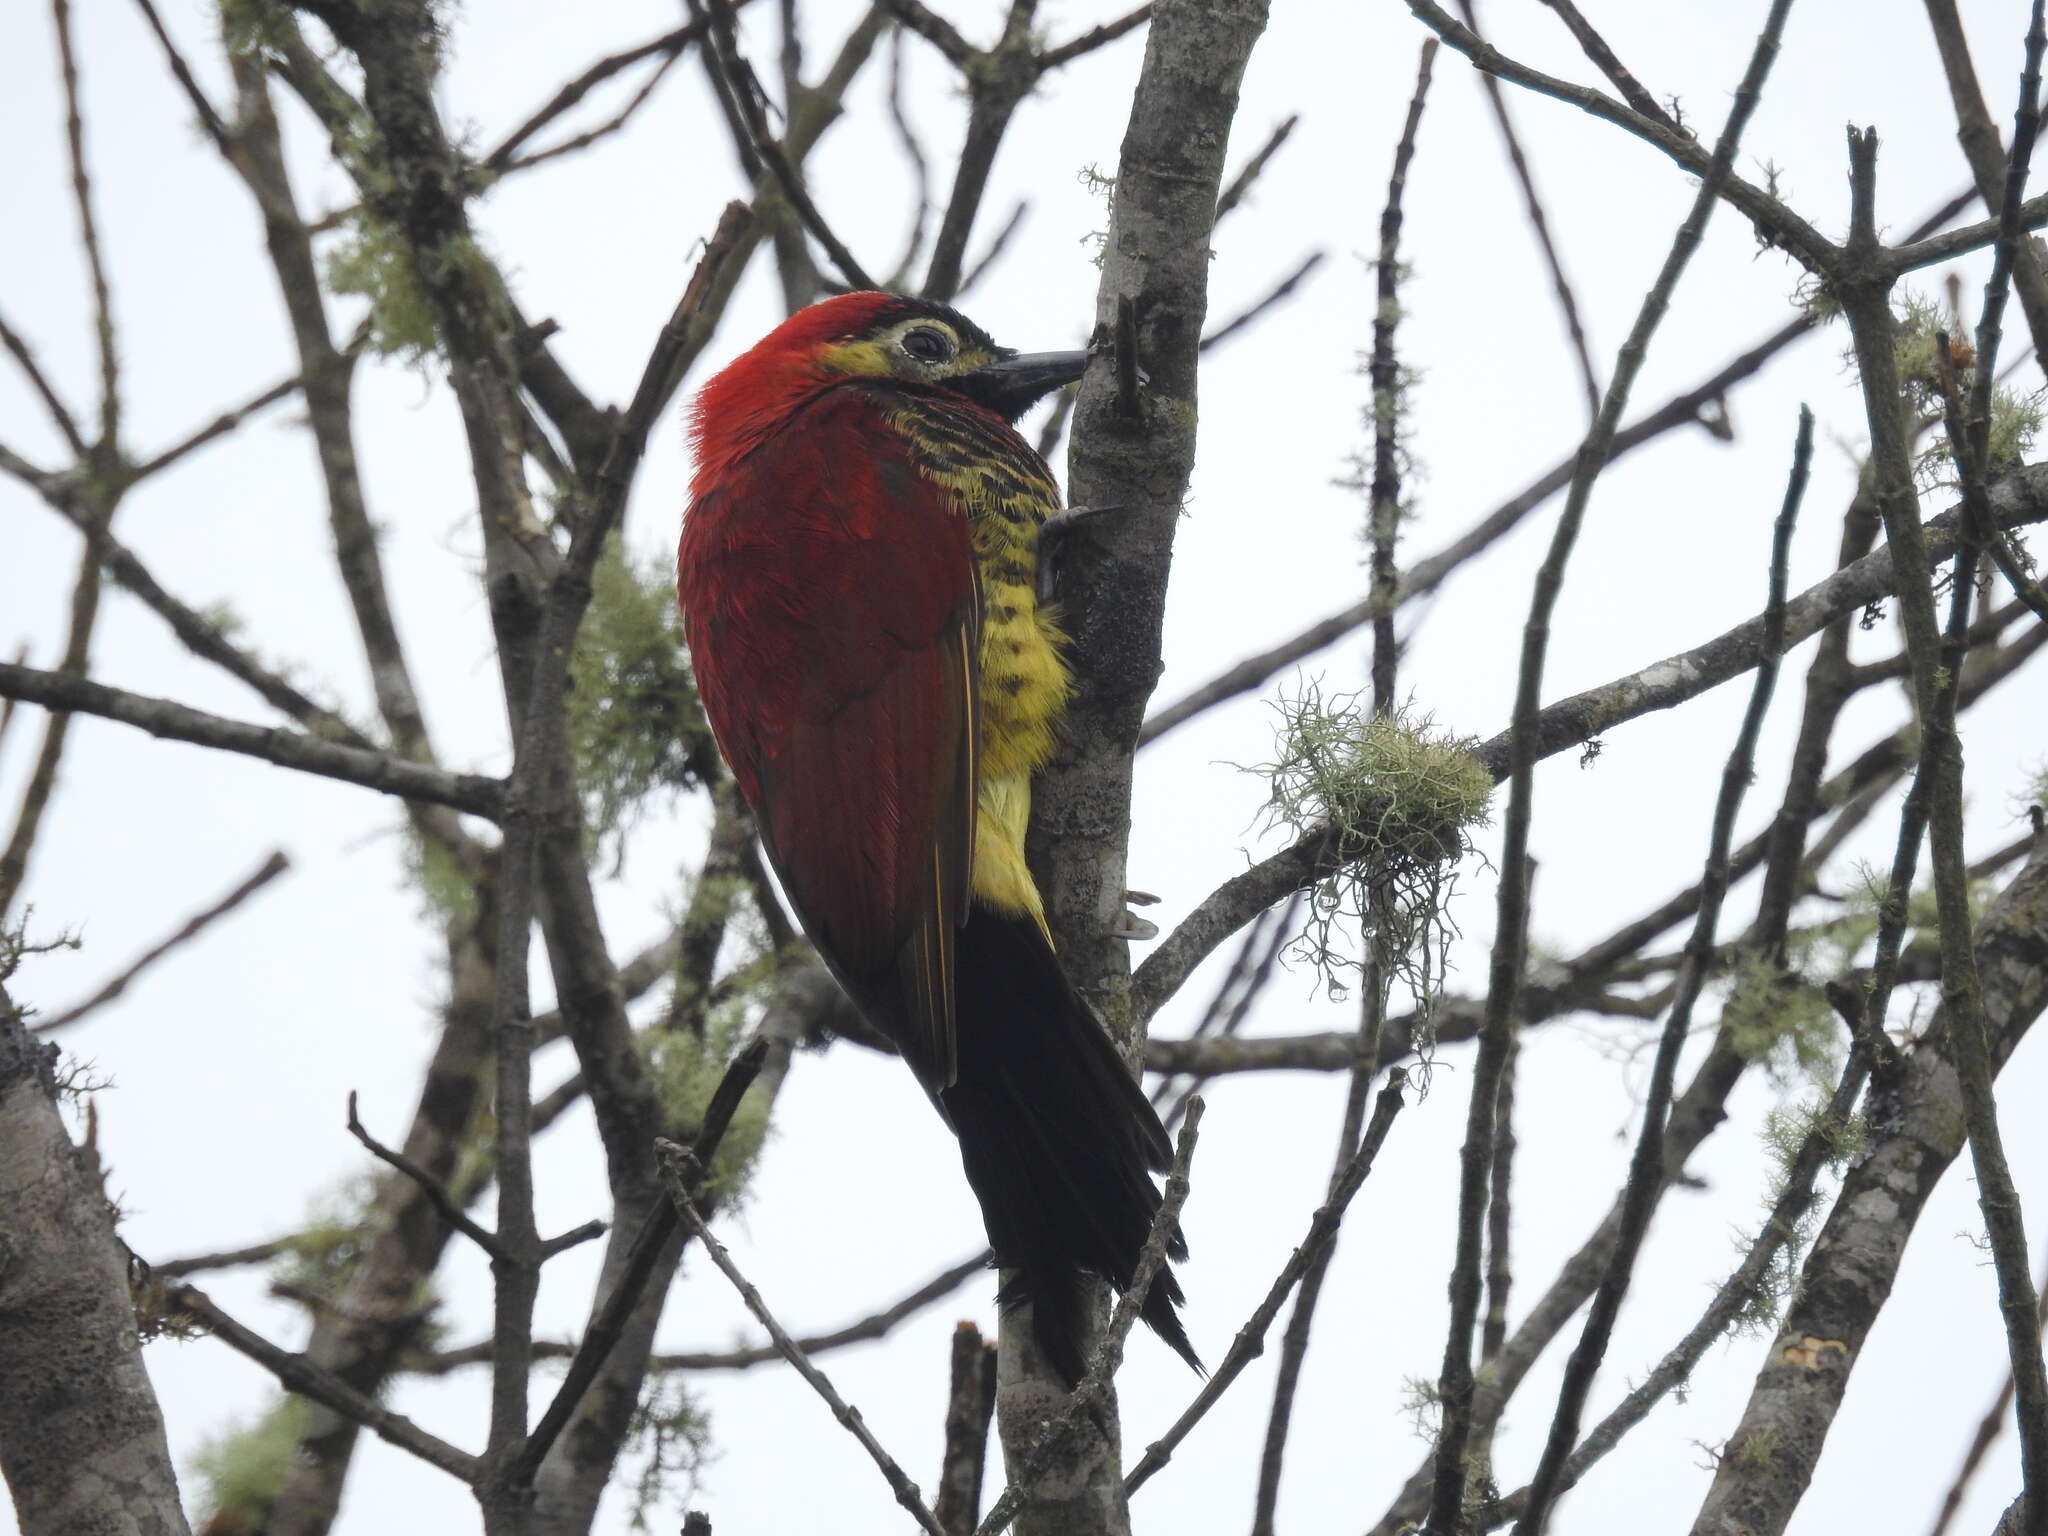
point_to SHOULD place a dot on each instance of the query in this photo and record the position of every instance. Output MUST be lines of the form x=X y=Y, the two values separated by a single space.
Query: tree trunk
x=81 y=1439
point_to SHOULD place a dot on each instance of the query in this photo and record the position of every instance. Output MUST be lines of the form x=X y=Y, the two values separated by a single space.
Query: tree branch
x=273 y=866
x=1917 y=1130
x=1772 y=218
x=681 y=1173
x=1250 y=1341
x=299 y=1374
x=287 y=749
x=2018 y=499
x=1646 y=1167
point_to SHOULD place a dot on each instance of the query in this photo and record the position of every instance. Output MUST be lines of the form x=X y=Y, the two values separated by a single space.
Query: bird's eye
x=927 y=345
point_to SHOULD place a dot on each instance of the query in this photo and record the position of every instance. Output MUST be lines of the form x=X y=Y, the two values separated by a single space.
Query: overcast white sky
x=231 y=1064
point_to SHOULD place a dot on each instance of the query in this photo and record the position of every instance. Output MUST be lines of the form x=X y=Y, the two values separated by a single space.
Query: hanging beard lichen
x=1397 y=800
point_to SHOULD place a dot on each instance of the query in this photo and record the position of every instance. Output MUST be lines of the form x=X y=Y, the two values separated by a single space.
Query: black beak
x=1014 y=384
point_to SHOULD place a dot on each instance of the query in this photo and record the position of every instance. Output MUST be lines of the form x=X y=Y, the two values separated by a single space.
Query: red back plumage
x=827 y=589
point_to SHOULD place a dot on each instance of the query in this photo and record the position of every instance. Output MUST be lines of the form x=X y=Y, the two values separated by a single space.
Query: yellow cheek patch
x=865 y=358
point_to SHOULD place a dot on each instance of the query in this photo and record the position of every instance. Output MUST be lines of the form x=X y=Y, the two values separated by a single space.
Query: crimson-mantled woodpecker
x=858 y=577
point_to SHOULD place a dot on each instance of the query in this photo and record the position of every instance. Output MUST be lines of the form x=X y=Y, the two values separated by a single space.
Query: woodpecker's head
x=877 y=336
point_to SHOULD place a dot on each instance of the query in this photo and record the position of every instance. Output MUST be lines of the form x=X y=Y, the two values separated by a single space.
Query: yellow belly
x=1005 y=492
x=1023 y=689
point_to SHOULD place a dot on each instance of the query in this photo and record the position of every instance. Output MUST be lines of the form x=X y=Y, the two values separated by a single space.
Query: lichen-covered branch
x=1918 y=1129
x=2018 y=499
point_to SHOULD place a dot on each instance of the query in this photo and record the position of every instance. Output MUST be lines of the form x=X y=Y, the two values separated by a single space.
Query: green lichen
x=244 y=1467
x=1423 y=1403
x=319 y=1258
x=251 y=27
x=1780 y=1020
x=374 y=262
x=672 y=1435
x=2015 y=417
x=1758 y=1449
x=1838 y=945
x=1397 y=800
x=439 y=877
x=1787 y=1129
x=686 y=1071
x=634 y=720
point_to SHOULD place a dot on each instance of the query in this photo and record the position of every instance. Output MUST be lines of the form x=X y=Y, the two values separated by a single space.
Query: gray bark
x=1137 y=456
x=81 y=1439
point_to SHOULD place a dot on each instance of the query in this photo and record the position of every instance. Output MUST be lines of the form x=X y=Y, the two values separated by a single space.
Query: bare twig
x=669 y=46
x=89 y=237
x=1853 y=1263
x=741 y=94
x=1771 y=217
x=981 y=266
x=1094 y=38
x=288 y=749
x=1500 y=1277
x=1732 y=1298
x=82 y=618
x=1979 y=138
x=602 y=131
x=66 y=423
x=875 y=1325
x=608 y=1320
x=1055 y=426
x=1699 y=404
x=1646 y=1167
x=934 y=29
x=451 y=1210
x=1250 y=1341
x=220 y=426
x=1278 y=294
x=1383 y=530
x=1241 y=183
x=203 y=636
x=1704 y=403
x=997 y=83
x=1505 y=972
x=1385 y=511
x=920 y=171
x=1936 y=249
x=302 y=1376
x=1539 y=225
x=1250 y=974
x=273 y=866
x=682 y=1173
x=1988 y=1430
x=1866 y=305
x=1595 y=48
x=209 y=117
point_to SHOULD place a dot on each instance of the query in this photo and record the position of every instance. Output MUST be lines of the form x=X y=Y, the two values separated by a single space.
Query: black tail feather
x=1058 y=1140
